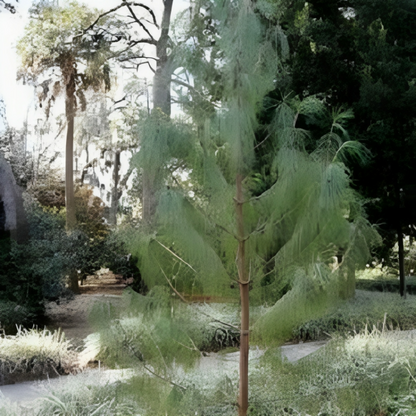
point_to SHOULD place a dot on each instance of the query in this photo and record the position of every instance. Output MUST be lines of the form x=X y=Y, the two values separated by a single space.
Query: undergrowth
x=12 y=314
x=86 y=394
x=371 y=373
x=34 y=351
x=371 y=309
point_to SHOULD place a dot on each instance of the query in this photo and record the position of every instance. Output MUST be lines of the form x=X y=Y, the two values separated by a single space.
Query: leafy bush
x=387 y=285
x=38 y=269
x=366 y=309
x=12 y=314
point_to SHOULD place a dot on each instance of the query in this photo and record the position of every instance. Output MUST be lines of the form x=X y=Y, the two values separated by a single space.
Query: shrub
x=82 y=395
x=366 y=309
x=387 y=285
x=12 y=314
x=38 y=269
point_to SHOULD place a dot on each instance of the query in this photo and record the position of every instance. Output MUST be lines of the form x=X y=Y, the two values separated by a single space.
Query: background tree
x=8 y=6
x=51 y=41
x=356 y=54
x=171 y=51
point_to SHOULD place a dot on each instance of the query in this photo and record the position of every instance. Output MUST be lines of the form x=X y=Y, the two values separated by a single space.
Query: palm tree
x=52 y=40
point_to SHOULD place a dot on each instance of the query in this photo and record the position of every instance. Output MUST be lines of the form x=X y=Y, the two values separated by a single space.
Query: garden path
x=71 y=315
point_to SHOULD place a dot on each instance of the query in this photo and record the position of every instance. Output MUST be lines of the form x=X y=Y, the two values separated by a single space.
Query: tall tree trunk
x=402 y=276
x=68 y=71
x=243 y=280
x=401 y=260
x=163 y=75
x=346 y=279
x=161 y=100
x=115 y=193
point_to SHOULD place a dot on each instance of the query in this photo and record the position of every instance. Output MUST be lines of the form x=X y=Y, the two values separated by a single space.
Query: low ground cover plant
x=371 y=373
x=86 y=394
x=34 y=354
x=366 y=309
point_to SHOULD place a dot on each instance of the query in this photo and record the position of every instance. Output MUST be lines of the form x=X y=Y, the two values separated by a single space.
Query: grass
x=371 y=373
x=366 y=368
x=366 y=309
x=36 y=353
x=87 y=394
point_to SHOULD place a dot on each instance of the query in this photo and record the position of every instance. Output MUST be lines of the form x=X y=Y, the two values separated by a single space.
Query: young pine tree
x=222 y=232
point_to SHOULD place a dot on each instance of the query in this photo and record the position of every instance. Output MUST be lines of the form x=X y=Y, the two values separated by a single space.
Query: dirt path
x=71 y=314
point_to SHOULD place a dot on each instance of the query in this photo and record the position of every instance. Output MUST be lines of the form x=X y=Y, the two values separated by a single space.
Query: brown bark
x=244 y=281
x=115 y=192
x=68 y=71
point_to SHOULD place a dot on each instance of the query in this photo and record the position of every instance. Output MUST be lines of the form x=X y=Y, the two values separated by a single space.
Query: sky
x=21 y=101
x=18 y=98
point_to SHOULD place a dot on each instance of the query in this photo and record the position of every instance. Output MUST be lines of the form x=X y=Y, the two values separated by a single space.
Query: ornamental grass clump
x=371 y=373
x=36 y=353
x=86 y=394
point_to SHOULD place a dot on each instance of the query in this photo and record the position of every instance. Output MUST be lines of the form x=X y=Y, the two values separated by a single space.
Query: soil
x=71 y=313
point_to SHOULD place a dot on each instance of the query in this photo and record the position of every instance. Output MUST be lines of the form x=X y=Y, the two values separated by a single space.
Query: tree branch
x=175 y=255
x=124 y=4
x=133 y=15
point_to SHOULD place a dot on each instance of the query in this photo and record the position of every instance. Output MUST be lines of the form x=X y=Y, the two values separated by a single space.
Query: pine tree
x=221 y=232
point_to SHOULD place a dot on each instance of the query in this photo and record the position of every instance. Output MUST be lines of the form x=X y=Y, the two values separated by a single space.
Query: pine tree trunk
x=163 y=75
x=243 y=280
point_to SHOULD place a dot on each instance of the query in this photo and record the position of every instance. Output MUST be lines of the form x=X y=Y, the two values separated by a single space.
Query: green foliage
x=365 y=310
x=12 y=314
x=37 y=270
x=387 y=285
x=359 y=57
x=53 y=36
x=90 y=213
x=366 y=374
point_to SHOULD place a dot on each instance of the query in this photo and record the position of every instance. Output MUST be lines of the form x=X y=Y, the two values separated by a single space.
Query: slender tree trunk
x=402 y=276
x=115 y=196
x=243 y=280
x=347 y=280
x=161 y=100
x=68 y=71
x=401 y=261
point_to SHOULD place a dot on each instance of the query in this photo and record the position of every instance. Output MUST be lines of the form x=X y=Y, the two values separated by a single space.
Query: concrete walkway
x=28 y=391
